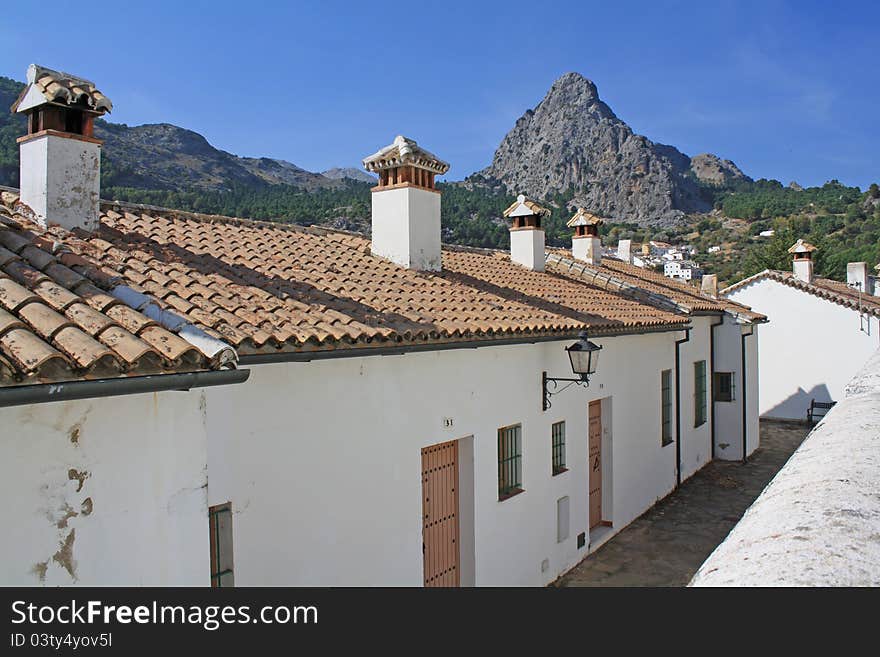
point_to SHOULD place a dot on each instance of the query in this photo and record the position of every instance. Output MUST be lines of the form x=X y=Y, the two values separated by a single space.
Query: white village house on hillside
x=812 y=317
x=190 y=399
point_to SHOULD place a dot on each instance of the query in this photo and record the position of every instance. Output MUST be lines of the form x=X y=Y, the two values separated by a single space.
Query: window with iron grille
x=220 y=526
x=724 y=386
x=665 y=407
x=509 y=461
x=557 y=432
x=700 y=401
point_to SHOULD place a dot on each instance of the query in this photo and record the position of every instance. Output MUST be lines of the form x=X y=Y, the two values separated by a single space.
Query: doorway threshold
x=599 y=536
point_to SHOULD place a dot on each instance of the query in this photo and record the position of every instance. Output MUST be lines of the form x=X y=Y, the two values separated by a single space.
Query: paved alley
x=667 y=545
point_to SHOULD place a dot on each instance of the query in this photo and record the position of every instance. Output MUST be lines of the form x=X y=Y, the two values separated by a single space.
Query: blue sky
x=787 y=90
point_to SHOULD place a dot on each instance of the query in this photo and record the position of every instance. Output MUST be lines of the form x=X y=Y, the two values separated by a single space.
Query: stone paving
x=666 y=545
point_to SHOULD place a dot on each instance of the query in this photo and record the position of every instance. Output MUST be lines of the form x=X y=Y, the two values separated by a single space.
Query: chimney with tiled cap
x=624 y=251
x=60 y=157
x=586 y=244
x=803 y=260
x=857 y=276
x=406 y=205
x=526 y=233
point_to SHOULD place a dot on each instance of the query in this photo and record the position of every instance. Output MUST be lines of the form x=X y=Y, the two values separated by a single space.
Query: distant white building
x=684 y=270
x=714 y=249
x=767 y=233
x=821 y=331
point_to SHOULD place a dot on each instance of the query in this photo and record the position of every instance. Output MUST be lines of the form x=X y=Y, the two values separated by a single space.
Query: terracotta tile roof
x=58 y=323
x=584 y=218
x=47 y=86
x=404 y=152
x=824 y=288
x=149 y=285
x=524 y=206
x=657 y=289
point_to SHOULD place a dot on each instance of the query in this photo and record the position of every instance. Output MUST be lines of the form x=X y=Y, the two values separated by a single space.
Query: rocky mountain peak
x=572 y=142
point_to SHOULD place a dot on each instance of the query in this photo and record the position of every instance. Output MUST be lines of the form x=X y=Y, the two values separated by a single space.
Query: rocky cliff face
x=572 y=141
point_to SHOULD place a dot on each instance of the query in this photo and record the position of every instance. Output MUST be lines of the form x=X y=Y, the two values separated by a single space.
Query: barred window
x=724 y=386
x=665 y=407
x=220 y=526
x=509 y=461
x=557 y=432
x=700 y=402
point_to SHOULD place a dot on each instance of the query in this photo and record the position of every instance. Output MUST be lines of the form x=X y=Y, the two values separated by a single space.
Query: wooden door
x=595 y=452
x=440 y=514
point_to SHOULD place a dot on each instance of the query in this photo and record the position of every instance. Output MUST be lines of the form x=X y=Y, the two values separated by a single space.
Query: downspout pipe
x=134 y=385
x=712 y=328
x=744 y=399
x=678 y=343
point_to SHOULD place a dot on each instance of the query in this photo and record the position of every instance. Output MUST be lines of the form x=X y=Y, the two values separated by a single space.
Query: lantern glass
x=584 y=356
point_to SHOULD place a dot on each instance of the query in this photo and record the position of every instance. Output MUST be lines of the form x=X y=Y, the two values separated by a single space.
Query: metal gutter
x=363 y=352
x=98 y=388
x=678 y=343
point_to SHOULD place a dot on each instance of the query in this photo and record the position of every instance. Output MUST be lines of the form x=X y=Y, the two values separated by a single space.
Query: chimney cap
x=405 y=152
x=584 y=218
x=801 y=247
x=46 y=86
x=524 y=207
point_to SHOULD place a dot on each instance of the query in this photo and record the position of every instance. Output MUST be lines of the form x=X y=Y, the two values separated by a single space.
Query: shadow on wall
x=796 y=405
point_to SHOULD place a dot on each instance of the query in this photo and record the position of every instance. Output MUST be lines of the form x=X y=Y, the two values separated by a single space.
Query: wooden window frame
x=666 y=408
x=701 y=398
x=718 y=392
x=557 y=448
x=509 y=462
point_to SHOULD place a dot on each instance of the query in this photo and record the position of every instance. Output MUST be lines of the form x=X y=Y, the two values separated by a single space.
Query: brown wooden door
x=595 y=451
x=440 y=514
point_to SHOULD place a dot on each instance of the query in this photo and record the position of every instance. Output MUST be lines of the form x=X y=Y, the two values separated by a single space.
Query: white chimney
x=406 y=205
x=875 y=281
x=60 y=159
x=709 y=285
x=857 y=276
x=586 y=244
x=802 y=265
x=624 y=251
x=526 y=233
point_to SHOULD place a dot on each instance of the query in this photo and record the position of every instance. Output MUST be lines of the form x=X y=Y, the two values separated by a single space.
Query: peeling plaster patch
x=39 y=570
x=79 y=476
x=64 y=556
x=67 y=514
x=74 y=433
x=87 y=507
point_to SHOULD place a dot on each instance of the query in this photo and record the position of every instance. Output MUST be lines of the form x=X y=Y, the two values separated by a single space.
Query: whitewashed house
x=103 y=455
x=684 y=270
x=822 y=331
x=411 y=414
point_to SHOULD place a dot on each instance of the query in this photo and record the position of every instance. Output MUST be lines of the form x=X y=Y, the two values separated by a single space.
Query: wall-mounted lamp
x=584 y=356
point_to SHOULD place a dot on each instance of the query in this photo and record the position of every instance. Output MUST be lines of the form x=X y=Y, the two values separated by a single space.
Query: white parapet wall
x=817 y=522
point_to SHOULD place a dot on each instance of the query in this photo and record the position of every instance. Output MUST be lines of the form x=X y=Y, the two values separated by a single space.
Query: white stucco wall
x=527 y=248
x=60 y=180
x=105 y=492
x=729 y=415
x=406 y=227
x=588 y=249
x=321 y=460
x=810 y=348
